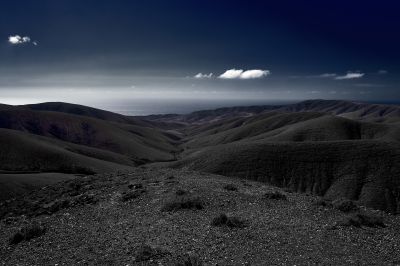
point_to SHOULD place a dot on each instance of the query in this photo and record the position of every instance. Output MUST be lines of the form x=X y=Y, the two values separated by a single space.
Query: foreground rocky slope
x=167 y=217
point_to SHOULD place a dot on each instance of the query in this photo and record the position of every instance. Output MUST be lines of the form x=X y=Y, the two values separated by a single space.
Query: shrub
x=130 y=195
x=276 y=195
x=27 y=233
x=345 y=205
x=189 y=261
x=146 y=252
x=359 y=219
x=230 y=187
x=183 y=203
x=180 y=192
x=224 y=220
x=322 y=203
x=135 y=186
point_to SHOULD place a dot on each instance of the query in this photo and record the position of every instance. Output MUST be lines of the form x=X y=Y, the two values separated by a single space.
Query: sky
x=92 y=51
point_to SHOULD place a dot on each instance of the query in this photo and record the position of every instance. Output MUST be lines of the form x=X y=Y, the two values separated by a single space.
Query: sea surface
x=148 y=107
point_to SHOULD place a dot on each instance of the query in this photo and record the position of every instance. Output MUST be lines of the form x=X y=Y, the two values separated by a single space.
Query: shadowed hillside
x=366 y=171
x=136 y=142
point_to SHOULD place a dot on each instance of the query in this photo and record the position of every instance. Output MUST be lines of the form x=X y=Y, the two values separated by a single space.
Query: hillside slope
x=139 y=143
x=365 y=171
x=121 y=220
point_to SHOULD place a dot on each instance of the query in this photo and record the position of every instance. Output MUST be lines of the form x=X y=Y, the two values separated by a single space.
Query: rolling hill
x=333 y=149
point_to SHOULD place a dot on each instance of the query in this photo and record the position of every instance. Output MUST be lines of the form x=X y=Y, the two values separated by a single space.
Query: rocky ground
x=173 y=217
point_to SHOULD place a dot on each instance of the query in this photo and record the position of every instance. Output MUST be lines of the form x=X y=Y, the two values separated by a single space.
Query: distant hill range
x=331 y=148
x=353 y=110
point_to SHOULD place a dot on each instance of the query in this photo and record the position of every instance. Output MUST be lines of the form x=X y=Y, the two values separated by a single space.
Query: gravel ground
x=110 y=218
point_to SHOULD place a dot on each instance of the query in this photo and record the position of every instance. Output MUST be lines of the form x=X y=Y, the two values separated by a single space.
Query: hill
x=354 y=110
x=136 y=142
x=365 y=171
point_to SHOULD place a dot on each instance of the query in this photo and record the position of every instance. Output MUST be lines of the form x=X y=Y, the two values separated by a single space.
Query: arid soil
x=168 y=217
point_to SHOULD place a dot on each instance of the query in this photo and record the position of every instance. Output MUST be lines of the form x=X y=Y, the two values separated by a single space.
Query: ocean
x=148 y=107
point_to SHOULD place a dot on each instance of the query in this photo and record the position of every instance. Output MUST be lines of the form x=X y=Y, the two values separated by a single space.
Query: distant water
x=148 y=107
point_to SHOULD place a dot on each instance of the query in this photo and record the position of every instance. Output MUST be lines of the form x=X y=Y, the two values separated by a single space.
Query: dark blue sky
x=87 y=49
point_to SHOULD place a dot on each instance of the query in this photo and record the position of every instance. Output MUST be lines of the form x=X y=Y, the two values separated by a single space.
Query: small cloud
x=203 y=76
x=254 y=74
x=231 y=74
x=16 y=39
x=328 y=75
x=248 y=74
x=350 y=75
x=35 y=43
x=382 y=72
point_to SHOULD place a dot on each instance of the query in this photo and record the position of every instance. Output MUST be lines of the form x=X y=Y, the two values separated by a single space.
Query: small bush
x=359 y=220
x=189 y=261
x=276 y=195
x=27 y=233
x=345 y=205
x=322 y=203
x=130 y=195
x=180 y=192
x=183 y=203
x=135 y=186
x=224 y=220
x=230 y=187
x=146 y=252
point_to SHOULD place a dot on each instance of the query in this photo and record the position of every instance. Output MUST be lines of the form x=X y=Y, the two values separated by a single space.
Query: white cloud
x=202 y=76
x=35 y=43
x=254 y=74
x=16 y=39
x=351 y=75
x=248 y=74
x=231 y=74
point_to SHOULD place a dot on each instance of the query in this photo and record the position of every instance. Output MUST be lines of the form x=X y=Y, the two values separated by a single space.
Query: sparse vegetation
x=132 y=194
x=180 y=203
x=322 y=203
x=345 y=205
x=230 y=187
x=189 y=260
x=180 y=192
x=135 y=186
x=276 y=195
x=359 y=220
x=27 y=233
x=224 y=220
x=146 y=252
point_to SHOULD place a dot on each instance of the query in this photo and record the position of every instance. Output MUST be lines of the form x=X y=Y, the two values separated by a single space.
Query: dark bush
x=132 y=194
x=224 y=220
x=146 y=252
x=230 y=187
x=322 y=203
x=183 y=203
x=276 y=195
x=359 y=220
x=135 y=186
x=189 y=260
x=180 y=192
x=345 y=205
x=27 y=233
